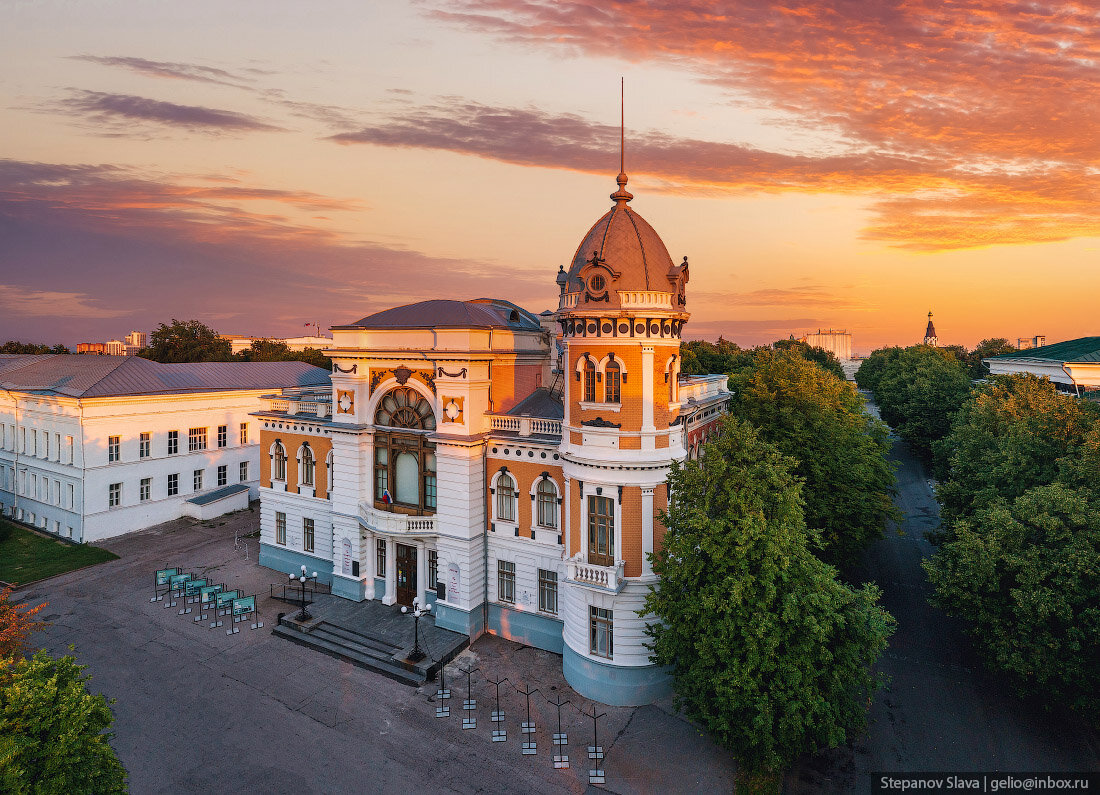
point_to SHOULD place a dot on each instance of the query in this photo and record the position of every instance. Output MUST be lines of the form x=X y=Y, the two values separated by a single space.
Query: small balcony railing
x=609 y=578
x=395 y=523
x=526 y=426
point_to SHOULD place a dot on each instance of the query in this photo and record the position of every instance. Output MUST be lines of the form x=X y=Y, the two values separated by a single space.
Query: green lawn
x=27 y=556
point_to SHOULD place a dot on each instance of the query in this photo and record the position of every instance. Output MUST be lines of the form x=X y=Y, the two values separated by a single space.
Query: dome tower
x=622 y=308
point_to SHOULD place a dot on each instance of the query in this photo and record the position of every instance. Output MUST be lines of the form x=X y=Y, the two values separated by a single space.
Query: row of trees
x=53 y=733
x=193 y=341
x=14 y=346
x=1019 y=559
x=770 y=649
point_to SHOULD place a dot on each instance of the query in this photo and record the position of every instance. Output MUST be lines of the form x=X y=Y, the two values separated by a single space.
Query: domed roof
x=621 y=252
x=447 y=313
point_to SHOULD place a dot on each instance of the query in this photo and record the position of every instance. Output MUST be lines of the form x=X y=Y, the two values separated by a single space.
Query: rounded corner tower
x=622 y=308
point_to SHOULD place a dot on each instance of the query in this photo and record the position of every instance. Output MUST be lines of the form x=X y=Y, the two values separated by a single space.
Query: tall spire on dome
x=930 y=332
x=622 y=195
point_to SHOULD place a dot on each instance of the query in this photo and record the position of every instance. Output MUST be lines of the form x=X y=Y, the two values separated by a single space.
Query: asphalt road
x=199 y=711
x=943 y=710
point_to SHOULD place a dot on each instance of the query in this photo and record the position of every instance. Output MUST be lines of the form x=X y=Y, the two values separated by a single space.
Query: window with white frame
x=548 y=591
x=278 y=467
x=308 y=466
x=380 y=558
x=601 y=632
x=506 y=581
x=197 y=479
x=404 y=458
x=173 y=484
x=433 y=569
x=546 y=498
x=114 y=495
x=223 y=475
x=144 y=444
x=69 y=495
x=307 y=535
x=114 y=448
x=506 y=498
x=280 y=528
x=223 y=435
x=601 y=531
x=589 y=380
x=244 y=433
x=173 y=442
x=57 y=446
x=612 y=379
x=45 y=444
x=244 y=471
x=196 y=439
x=145 y=489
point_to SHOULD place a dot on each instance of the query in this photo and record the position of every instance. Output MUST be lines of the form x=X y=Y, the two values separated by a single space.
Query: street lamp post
x=417 y=611
x=303 y=614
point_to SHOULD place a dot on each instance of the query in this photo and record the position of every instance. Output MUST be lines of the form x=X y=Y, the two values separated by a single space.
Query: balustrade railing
x=386 y=522
x=607 y=577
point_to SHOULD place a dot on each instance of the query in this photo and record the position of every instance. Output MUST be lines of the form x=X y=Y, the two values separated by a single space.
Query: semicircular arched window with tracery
x=404 y=458
x=404 y=407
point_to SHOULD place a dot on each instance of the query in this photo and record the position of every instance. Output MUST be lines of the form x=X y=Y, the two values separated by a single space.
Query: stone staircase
x=363 y=649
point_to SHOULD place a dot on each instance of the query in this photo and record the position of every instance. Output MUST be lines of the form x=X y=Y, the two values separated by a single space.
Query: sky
x=263 y=164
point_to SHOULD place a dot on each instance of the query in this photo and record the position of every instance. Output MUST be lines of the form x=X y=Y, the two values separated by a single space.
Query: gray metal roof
x=446 y=313
x=218 y=494
x=112 y=376
x=540 y=403
x=1083 y=349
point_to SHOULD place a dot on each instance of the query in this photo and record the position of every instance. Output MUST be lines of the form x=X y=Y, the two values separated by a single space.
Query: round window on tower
x=596 y=283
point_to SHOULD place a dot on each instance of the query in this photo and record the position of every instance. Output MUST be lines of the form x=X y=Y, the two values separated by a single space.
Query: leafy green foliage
x=918 y=391
x=186 y=341
x=769 y=650
x=870 y=372
x=12 y=346
x=1026 y=576
x=275 y=351
x=984 y=350
x=818 y=420
x=811 y=353
x=1017 y=432
x=701 y=357
x=52 y=730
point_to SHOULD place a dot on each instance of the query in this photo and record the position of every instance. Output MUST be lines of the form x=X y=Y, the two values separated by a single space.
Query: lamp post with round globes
x=417 y=611
x=303 y=614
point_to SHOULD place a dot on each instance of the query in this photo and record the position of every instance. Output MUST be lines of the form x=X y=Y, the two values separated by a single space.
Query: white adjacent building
x=1073 y=365
x=93 y=447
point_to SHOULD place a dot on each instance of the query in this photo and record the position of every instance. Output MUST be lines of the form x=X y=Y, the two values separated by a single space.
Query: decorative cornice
x=338 y=369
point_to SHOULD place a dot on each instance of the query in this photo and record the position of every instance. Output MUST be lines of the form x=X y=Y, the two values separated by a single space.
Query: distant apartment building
x=94 y=447
x=240 y=342
x=134 y=342
x=1026 y=343
x=836 y=342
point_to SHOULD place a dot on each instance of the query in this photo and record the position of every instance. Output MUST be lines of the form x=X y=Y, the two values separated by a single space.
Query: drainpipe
x=485 y=537
x=1072 y=379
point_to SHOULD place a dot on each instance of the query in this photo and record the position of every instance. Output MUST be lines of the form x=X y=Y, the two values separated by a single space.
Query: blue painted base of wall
x=290 y=562
x=615 y=685
x=469 y=623
x=348 y=588
x=379 y=588
x=530 y=629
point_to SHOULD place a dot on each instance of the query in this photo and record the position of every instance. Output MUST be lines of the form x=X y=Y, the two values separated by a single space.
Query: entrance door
x=406 y=575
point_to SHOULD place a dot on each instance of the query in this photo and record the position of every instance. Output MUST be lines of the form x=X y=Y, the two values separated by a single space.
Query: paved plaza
x=199 y=710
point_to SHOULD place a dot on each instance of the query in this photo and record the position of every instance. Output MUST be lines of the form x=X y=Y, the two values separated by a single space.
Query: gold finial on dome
x=622 y=195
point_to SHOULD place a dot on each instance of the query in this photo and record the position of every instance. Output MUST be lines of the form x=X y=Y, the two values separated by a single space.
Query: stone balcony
x=605 y=578
x=396 y=523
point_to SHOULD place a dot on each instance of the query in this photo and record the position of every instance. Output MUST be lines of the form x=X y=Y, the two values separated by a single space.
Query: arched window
x=308 y=466
x=279 y=462
x=547 y=499
x=404 y=459
x=612 y=379
x=589 y=381
x=506 y=498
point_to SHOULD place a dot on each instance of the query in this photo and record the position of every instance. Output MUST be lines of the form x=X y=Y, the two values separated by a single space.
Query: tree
x=16 y=623
x=918 y=393
x=189 y=341
x=53 y=731
x=1026 y=576
x=870 y=372
x=12 y=346
x=819 y=421
x=701 y=357
x=983 y=350
x=1017 y=432
x=827 y=359
x=768 y=649
x=275 y=351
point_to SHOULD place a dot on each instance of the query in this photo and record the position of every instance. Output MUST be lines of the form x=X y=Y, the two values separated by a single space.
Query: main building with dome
x=507 y=467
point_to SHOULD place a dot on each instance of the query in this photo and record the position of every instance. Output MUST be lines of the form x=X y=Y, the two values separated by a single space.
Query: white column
x=421 y=571
x=369 y=563
x=566 y=514
x=647 y=396
x=391 y=573
x=647 y=529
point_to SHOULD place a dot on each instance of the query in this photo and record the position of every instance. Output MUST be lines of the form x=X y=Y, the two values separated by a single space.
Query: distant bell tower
x=930 y=332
